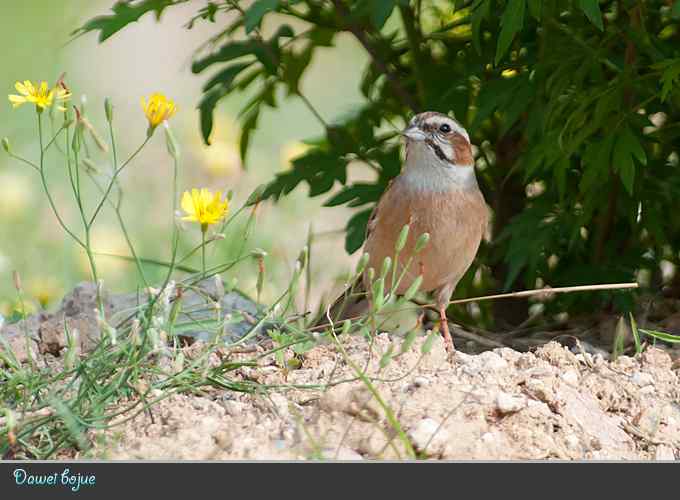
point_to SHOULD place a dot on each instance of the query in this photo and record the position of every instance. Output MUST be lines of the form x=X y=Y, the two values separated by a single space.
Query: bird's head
x=437 y=139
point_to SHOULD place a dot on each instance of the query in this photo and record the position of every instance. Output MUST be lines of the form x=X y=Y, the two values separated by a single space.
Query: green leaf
x=561 y=169
x=318 y=168
x=356 y=195
x=356 y=231
x=591 y=8
x=256 y=12
x=666 y=337
x=124 y=13
x=249 y=125
x=675 y=11
x=670 y=75
x=511 y=23
x=597 y=160
x=206 y=109
x=535 y=8
x=266 y=53
x=226 y=76
x=628 y=147
x=381 y=11
x=227 y=52
x=481 y=9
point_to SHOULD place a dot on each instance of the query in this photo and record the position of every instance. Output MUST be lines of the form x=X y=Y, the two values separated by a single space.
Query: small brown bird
x=436 y=193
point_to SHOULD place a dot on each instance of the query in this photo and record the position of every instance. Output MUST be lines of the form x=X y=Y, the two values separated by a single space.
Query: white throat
x=424 y=171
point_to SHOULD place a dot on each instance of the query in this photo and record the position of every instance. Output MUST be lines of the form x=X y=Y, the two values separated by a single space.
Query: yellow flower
x=204 y=207
x=158 y=109
x=39 y=94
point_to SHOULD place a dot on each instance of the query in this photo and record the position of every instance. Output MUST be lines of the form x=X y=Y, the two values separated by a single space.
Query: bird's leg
x=448 y=341
x=443 y=297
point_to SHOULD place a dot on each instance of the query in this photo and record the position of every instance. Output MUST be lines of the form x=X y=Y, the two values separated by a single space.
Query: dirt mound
x=500 y=404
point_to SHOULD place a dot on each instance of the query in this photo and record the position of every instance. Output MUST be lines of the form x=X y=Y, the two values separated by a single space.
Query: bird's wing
x=373 y=218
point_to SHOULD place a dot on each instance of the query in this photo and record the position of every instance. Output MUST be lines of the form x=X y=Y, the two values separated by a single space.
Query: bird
x=437 y=193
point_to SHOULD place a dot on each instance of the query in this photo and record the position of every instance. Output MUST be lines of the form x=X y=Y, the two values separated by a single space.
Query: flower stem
x=87 y=245
x=116 y=172
x=116 y=208
x=203 y=230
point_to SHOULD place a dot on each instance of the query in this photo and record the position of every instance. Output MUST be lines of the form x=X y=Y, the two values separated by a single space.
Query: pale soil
x=501 y=404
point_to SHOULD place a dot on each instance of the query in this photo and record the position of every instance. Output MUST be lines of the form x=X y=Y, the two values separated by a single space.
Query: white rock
x=492 y=361
x=510 y=403
x=570 y=377
x=233 y=408
x=664 y=452
x=421 y=381
x=641 y=379
x=281 y=404
x=428 y=437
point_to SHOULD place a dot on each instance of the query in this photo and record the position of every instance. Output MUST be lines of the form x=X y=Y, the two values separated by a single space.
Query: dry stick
x=528 y=293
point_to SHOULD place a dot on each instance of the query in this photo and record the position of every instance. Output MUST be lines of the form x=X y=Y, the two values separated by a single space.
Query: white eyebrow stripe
x=455 y=126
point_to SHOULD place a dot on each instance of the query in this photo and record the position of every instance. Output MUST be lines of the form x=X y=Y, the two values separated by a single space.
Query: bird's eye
x=445 y=128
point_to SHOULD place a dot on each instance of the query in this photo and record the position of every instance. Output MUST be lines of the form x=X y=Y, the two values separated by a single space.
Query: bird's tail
x=351 y=303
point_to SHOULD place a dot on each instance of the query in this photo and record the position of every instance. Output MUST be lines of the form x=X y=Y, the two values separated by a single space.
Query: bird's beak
x=414 y=133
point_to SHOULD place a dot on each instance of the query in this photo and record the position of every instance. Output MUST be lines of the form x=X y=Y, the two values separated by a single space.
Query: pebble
x=492 y=361
x=510 y=403
x=233 y=408
x=570 y=377
x=641 y=379
x=421 y=381
x=281 y=404
x=342 y=453
x=428 y=437
x=664 y=452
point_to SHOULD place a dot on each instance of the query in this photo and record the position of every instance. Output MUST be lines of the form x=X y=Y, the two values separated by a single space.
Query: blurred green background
x=144 y=58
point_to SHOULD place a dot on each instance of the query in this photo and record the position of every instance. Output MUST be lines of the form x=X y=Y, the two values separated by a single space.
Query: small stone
x=224 y=440
x=641 y=379
x=492 y=361
x=570 y=377
x=342 y=453
x=281 y=404
x=421 y=381
x=233 y=408
x=664 y=452
x=510 y=403
x=428 y=437
x=657 y=357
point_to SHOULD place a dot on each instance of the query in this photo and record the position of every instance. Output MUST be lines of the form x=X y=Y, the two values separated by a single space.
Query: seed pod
x=171 y=142
x=422 y=241
x=386 y=266
x=108 y=110
x=401 y=241
x=5 y=145
x=378 y=294
x=413 y=289
x=361 y=265
x=17 y=281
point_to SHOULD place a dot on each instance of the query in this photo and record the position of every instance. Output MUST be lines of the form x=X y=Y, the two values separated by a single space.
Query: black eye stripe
x=437 y=150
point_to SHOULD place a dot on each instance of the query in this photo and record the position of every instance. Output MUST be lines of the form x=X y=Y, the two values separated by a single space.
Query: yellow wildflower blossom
x=158 y=109
x=204 y=207
x=39 y=94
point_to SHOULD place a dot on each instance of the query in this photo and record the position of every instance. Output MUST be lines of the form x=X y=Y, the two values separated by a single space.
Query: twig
x=526 y=293
x=547 y=291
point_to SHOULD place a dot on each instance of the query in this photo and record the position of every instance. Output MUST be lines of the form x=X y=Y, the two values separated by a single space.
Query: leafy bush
x=573 y=106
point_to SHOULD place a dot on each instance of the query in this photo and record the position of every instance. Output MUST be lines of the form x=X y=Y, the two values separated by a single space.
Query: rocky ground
x=550 y=403
x=501 y=404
